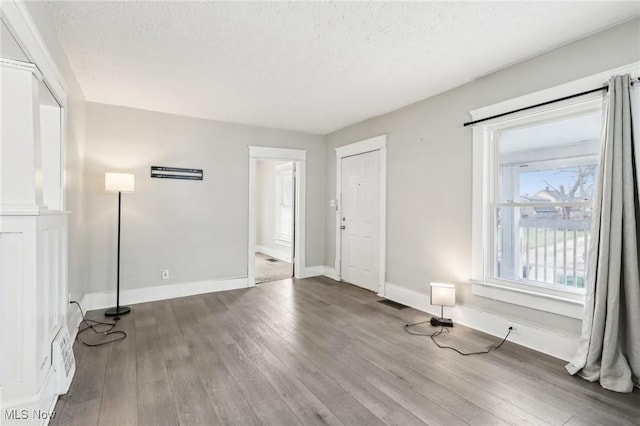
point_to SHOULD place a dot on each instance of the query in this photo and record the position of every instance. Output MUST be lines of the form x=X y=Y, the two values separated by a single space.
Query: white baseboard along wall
x=545 y=341
x=280 y=254
x=92 y=301
x=541 y=340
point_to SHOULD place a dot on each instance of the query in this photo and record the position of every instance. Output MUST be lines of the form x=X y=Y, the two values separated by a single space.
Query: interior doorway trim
x=377 y=143
x=299 y=157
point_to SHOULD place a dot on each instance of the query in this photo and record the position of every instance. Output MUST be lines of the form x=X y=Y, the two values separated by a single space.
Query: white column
x=20 y=150
x=33 y=287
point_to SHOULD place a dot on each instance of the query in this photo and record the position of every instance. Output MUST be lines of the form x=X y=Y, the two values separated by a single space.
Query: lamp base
x=441 y=322
x=118 y=310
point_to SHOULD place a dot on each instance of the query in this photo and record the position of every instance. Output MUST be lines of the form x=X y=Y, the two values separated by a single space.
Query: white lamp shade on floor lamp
x=119 y=182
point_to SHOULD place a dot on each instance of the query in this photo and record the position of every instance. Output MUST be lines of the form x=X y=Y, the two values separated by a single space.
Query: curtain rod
x=564 y=98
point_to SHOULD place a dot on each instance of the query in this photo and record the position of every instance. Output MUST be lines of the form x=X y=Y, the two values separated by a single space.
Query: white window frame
x=558 y=301
x=592 y=104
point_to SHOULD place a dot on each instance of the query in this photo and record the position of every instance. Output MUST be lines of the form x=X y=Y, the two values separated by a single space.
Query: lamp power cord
x=93 y=325
x=445 y=330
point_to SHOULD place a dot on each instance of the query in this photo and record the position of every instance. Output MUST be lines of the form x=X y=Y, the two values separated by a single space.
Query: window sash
x=545 y=252
x=491 y=174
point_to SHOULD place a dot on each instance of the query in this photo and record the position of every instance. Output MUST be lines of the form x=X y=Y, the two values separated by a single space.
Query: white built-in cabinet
x=33 y=243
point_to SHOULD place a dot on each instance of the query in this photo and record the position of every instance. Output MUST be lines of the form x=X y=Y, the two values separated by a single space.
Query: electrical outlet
x=513 y=328
x=164 y=274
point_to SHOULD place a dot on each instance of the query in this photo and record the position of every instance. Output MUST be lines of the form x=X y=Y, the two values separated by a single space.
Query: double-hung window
x=535 y=178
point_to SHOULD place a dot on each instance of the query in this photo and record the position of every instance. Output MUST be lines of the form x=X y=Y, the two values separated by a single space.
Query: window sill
x=565 y=306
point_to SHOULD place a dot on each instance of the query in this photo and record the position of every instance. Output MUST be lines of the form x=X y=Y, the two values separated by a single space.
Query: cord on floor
x=444 y=330
x=93 y=324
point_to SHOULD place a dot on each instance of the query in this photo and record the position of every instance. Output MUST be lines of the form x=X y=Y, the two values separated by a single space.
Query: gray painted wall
x=196 y=229
x=429 y=168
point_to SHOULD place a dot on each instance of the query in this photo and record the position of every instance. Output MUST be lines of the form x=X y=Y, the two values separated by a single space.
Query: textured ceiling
x=315 y=67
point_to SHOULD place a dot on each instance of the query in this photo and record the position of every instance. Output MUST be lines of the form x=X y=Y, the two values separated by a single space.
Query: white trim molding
x=367 y=145
x=533 y=337
x=107 y=299
x=285 y=154
x=313 y=271
x=377 y=143
x=329 y=272
x=21 y=66
x=15 y=15
x=280 y=254
x=568 y=304
x=299 y=157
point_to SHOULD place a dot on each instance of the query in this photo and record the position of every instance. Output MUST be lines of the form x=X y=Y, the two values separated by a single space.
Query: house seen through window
x=543 y=183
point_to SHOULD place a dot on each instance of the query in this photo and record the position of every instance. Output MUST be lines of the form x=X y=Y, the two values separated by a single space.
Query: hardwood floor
x=316 y=351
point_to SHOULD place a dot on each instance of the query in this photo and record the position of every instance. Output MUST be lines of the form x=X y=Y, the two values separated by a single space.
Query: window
x=538 y=178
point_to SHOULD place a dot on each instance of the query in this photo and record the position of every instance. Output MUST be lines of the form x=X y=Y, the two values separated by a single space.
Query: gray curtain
x=609 y=349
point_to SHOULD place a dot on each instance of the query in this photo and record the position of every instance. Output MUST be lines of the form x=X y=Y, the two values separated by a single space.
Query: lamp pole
x=118 y=310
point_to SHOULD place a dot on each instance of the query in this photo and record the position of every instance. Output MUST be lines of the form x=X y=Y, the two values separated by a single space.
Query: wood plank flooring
x=316 y=351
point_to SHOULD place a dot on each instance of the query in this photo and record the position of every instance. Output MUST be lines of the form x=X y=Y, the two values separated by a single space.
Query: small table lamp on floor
x=118 y=182
x=443 y=295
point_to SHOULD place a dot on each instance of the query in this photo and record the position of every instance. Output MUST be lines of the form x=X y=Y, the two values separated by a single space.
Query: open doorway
x=275 y=189
x=290 y=165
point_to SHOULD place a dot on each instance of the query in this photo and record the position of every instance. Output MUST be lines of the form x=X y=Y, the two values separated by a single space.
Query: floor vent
x=393 y=304
x=272 y=260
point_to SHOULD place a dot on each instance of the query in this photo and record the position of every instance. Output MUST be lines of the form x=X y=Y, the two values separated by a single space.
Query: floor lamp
x=118 y=182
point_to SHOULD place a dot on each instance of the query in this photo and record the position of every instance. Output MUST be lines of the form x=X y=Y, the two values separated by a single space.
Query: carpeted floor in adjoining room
x=271 y=271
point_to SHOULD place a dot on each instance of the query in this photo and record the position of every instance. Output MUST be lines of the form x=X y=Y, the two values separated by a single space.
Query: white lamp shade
x=443 y=294
x=119 y=182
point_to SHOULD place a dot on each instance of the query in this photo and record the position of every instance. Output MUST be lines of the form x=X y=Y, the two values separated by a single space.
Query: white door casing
x=299 y=158
x=361 y=200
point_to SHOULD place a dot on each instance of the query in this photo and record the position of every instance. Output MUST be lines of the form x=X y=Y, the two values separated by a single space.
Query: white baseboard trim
x=107 y=299
x=330 y=272
x=312 y=271
x=275 y=253
x=541 y=340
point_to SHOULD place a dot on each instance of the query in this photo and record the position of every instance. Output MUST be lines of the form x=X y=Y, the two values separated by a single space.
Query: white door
x=360 y=219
